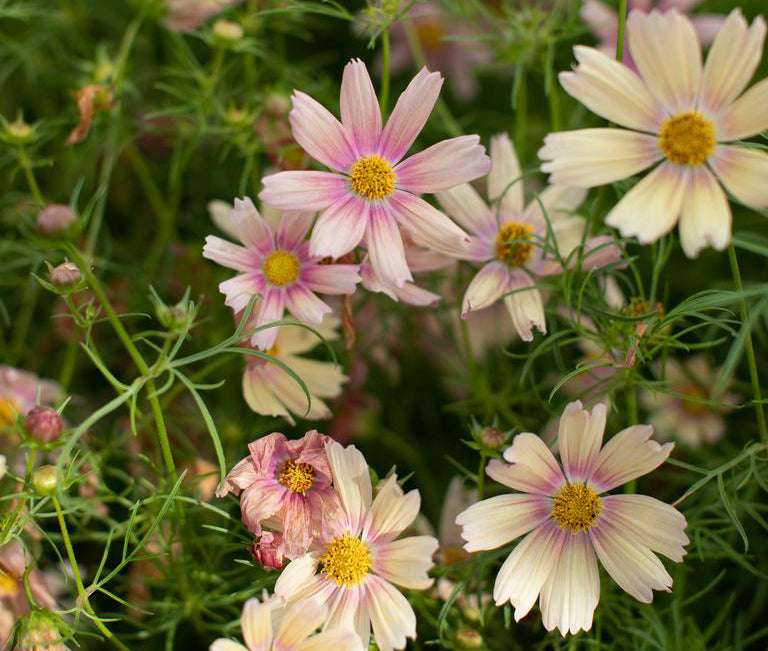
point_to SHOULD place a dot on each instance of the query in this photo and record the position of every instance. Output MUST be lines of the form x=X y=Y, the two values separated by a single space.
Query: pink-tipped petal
x=385 y=247
x=340 y=228
x=332 y=279
x=251 y=228
x=579 y=439
x=525 y=306
x=464 y=204
x=409 y=115
x=488 y=285
x=293 y=228
x=392 y=617
x=530 y=467
x=231 y=256
x=240 y=289
x=428 y=226
x=270 y=309
x=303 y=190
x=405 y=562
x=392 y=511
x=256 y=623
x=259 y=501
x=360 y=112
x=599 y=252
x=505 y=182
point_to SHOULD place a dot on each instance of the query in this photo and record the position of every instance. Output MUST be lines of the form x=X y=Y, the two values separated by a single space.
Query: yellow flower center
x=514 y=244
x=576 y=508
x=346 y=560
x=430 y=35
x=691 y=407
x=687 y=138
x=297 y=477
x=372 y=178
x=7 y=410
x=281 y=268
x=9 y=585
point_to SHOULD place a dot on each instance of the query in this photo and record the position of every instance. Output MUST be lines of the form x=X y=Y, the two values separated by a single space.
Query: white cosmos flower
x=268 y=627
x=359 y=558
x=676 y=111
x=568 y=519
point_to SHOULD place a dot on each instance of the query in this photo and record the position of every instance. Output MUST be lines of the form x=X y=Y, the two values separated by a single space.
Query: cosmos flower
x=355 y=563
x=278 y=267
x=372 y=190
x=19 y=390
x=269 y=390
x=567 y=519
x=683 y=416
x=510 y=239
x=267 y=626
x=675 y=111
x=186 y=15
x=287 y=483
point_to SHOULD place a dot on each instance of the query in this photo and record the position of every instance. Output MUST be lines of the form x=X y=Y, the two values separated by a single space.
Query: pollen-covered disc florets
x=372 y=178
x=576 y=508
x=513 y=243
x=687 y=138
x=297 y=477
x=281 y=268
x=346 y=560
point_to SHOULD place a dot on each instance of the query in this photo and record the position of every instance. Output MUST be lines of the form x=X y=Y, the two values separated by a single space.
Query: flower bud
x=44 y=480
x=227 y=31
x=39 y=631
x=19 y=132
x=267 y=551
x=277 y=104
x=55 y=219
x=65 y=275
x=469 y=639
x=44 y=424
x=492 y=438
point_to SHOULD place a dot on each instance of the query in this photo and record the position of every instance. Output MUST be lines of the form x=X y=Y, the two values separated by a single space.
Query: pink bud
x=55 y=219
x=44 y=424
x=65 y=274
x=267 y=551
x=492 y=438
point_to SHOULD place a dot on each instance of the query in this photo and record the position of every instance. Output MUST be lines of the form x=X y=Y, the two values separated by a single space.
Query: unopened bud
x=65 y=275
x=44 y=480
x=55 y=219
x=44 y=424
x=492 y=438
x=20 y=133
x=267 y=551
x=227 y=31
x=39 y=631
x=277 y=104
x=469 y=639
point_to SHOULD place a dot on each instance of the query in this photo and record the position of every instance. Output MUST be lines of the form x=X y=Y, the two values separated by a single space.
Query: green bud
x=44 y=480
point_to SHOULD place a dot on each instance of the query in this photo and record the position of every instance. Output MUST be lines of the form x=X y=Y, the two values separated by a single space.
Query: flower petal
x=666 y=51
x=360 y=112
x=231 y=256
x=223 y=644
x=270 y=309
x=258 y=394
x=391 y=512
x=579 y=439
x=731 y=62
x=557 y=200
x=405 y=562
x=298 y=623
x=410 y=114
x=340 y=228
x=323 y=379
x=303 y=190
x=499 y=520
x=392 y=617
x=706 y=217
x=262 y=499
x=320 y=134
x=293 y=228
x=339 y=639
x=530 y=467
x=464 y=204
x=352 y=481
x=441 y=166
x=612 y=91
x=256 y=623
x=487 y=287
x=240 y=289
x=525 y=306
x=744 y=173
x=505 y=181
x=628 y=455
x=298 y=581
x=586 y=158
x=385 y=247
x=427 y=225
x=251 y=228
x=651 y=208
x=747 y=116
x=332 y=279
x=304 y=305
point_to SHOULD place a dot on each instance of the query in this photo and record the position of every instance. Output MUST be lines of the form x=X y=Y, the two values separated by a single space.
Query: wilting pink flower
x=359 y=558
x=18 y=393
x=683 y=416
x=511 y=240
x=186 y=15
x=270 y=390
x=566 y=519
x=268 y=551
x=277 y=267
x=603 y=21
x=372 y=190
x=287 y=483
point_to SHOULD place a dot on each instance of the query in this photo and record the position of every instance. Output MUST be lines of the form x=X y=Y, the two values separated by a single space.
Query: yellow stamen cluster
x=687 y=138
x=7 y=411
x=514 y=244
x=372 y=178
x=9 y=585
x=281 y=268
x=691 y=407
x=346 y=560
x=430 y=35
x=297 y=477
x=576 y=508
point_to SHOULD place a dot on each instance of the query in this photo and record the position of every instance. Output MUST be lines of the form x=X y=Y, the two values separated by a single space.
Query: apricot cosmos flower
x=567 y=519
x=372 y=190
x=675 y=111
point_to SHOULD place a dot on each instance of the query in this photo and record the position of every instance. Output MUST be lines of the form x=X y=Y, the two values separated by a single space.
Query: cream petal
x=649 y=522
x=256 y=623
x=628 y=455
x=464 y=204
x=525 y=306
x=746 y=116
x=731 y=62
x=392 y=617
x=557 y=201
x=294 y=340
x=297 y=581
x=391 y=513
x=579 y=439
x=586 y=158
x=298 y=623
x=339 y=639
x=288 y=391
x=405 y=562
x=612 y=91
x=743 y=172
x=498 y=520
x=505 y=182
x=352 y=481
x=651 y=208
x=259 y=396
x=222 y=645
x=528 y=567
x=666 y=51
x=530 y=467
x=323 y=379
x=360 y=112
x=385 y=247
x=350 y=611
x=487 y=287
x=706 y=216
x=320 y=134
x=570 y=594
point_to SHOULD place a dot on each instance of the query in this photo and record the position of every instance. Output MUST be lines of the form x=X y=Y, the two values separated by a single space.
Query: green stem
x=385 y=72
x=749 y=347
x=29 y=174
x=521 y=113
x=620 y=32
x=481 y=478
x=78 y=579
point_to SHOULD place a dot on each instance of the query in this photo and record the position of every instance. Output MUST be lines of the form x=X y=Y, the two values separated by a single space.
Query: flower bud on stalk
x=469 y=639
x=44 y=480
x=65 y=275
x=39 y=631
x=227 y=32
x=492 y=438
x=19 y=132
x=55 y=219
x=44 y=424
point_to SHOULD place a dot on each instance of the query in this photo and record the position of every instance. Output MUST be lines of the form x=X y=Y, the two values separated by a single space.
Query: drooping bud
x=267 y=551
x=55 y=219
x=44 y=424
x=227 y=32
x=65 y=275
x=469 y=639
x=44 y=480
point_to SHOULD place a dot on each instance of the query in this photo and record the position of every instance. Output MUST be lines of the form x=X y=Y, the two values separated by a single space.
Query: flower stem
x=29 y=174
x=385 y=71
x=620 y=32
x=749 y=347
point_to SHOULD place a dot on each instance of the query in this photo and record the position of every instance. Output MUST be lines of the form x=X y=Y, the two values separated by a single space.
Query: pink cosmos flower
x=278 y=267
x=19 y=390
x=567 y=519
x=186 y=15
x=286 y=483
x=603 y=21
x=372 y=190
x=359 y=558
x=511 y=239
